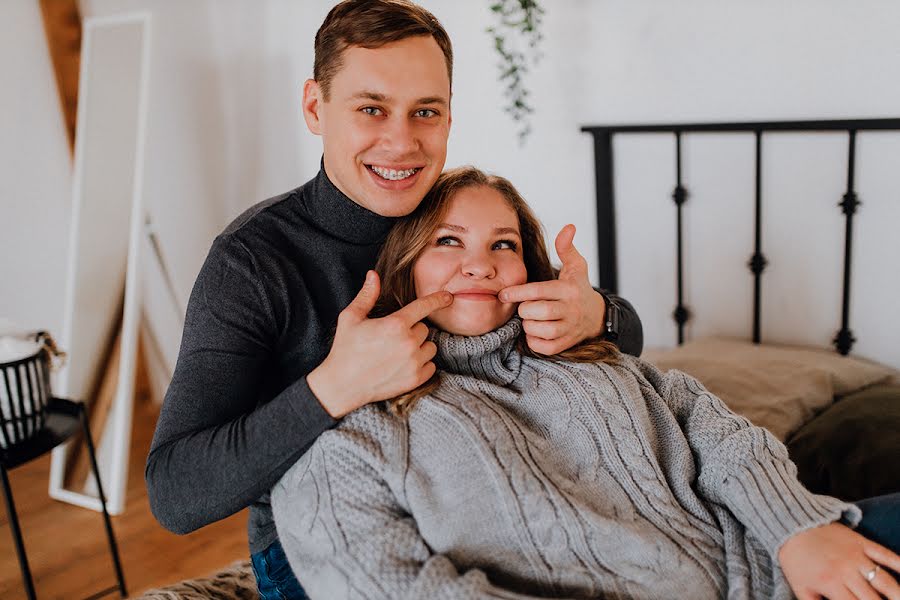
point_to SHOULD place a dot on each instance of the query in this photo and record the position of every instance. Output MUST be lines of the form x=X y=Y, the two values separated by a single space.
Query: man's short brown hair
x=372 y=24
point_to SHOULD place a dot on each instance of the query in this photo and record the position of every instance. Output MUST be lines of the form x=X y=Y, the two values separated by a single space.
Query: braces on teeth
x=392 y=174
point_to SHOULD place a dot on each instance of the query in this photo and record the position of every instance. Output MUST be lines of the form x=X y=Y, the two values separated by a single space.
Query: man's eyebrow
x=379 y=97
x=369 y=96
x=497 y=230
x=432 y=100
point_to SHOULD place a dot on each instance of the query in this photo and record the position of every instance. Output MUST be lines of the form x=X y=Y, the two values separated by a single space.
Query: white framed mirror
x=102 y=295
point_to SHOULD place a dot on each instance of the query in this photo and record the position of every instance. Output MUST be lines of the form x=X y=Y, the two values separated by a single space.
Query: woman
x=513 y=475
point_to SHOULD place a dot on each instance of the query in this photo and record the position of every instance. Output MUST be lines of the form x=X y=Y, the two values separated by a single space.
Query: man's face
x=384 y=127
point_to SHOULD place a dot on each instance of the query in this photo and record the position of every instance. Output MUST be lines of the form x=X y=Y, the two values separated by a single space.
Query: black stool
x=47 y=427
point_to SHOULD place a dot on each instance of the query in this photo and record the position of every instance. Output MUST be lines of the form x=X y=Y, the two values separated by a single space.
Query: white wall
x=225 y=131
x=613 y=62
x=35 y=174
x=705 y=61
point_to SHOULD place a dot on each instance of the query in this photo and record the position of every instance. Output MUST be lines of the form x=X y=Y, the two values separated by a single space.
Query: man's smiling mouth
x=393 y=174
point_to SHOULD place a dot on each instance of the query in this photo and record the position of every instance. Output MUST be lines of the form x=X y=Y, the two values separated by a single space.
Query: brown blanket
x=235 y=582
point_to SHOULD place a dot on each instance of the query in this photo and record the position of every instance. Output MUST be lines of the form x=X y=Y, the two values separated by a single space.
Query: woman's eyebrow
x=451 y=227
x=497 y=230
x=508 y=230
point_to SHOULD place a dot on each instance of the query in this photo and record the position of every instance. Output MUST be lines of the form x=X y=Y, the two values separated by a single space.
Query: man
x=258 y=377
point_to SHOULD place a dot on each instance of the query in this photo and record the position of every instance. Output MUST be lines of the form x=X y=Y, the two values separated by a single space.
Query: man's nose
x=400 y=137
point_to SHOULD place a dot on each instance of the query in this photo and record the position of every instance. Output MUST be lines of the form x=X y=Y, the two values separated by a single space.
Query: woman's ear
x=312 y=105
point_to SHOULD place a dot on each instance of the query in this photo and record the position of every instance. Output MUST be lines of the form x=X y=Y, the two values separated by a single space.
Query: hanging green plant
x=516 y=38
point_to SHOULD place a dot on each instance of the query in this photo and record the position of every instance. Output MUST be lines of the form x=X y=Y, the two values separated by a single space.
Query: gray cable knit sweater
x=521 y=478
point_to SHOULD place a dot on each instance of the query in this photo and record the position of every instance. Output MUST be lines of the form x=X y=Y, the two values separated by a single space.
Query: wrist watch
x=611 y=319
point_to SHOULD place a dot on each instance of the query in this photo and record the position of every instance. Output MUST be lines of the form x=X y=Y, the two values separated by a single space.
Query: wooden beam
x=62 y=26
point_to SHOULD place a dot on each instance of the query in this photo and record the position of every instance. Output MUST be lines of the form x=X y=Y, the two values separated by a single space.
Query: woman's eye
x=426 y=112
x=448 y=241
x=505 y=245
x=371 y=111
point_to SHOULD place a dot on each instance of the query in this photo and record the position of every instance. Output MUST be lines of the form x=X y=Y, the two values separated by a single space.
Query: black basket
x=24 y=394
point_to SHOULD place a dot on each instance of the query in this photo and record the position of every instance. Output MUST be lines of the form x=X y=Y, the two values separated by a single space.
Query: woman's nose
x=479 y=267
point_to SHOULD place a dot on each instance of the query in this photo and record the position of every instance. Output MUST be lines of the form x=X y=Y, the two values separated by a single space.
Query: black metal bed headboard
x=603 y=157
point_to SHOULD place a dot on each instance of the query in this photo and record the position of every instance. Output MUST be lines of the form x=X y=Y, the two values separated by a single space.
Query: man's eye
x=426 y=112
x=448 y=241
x=505 y=245
x=372 y=111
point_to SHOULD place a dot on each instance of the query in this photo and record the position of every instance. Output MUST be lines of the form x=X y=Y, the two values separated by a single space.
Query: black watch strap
x=611 y=319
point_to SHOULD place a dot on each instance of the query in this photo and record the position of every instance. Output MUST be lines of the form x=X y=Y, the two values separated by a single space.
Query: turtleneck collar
x=339 y=216
x=491 y=357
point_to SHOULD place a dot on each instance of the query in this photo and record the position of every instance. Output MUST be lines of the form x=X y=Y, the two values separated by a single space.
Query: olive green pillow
x=852 y=450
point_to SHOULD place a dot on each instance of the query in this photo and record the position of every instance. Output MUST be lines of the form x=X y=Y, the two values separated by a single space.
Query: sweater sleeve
x=744 y=467
x=345 y=533
x=215 y=451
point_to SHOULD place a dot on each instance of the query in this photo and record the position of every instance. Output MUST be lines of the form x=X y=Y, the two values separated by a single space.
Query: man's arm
x=214 y=451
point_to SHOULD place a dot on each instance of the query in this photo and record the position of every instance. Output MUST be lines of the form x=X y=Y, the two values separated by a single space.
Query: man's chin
x=394 y=205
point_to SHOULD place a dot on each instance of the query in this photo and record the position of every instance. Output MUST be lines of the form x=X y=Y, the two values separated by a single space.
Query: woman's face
x=474 y=253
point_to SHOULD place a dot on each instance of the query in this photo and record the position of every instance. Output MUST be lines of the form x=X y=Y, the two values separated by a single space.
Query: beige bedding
x=777 y=387
x=235 y=582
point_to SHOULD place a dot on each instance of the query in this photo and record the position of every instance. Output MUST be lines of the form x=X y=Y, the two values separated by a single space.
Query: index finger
x=420 y=308
x=538 y=290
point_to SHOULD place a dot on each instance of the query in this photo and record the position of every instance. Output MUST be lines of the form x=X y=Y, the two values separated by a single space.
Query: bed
x=839 y=415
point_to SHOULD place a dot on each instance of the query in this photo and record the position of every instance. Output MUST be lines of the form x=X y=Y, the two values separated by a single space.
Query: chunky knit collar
x=491 y=357
x=332 y=211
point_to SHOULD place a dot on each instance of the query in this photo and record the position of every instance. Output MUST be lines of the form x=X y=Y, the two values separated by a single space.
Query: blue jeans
x=274 y=578
x=881 y=520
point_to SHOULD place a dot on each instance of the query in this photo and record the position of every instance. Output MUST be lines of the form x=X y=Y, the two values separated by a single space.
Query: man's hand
x=376 y=359
x=558 y=314
x=832 y=561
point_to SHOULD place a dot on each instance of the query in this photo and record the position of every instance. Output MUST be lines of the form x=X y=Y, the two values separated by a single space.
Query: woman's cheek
x=420 y=277
x=516 y=273
x=430 y=274
x=523 y=274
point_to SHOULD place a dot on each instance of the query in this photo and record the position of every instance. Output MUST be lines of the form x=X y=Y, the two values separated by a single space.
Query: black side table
x=63 y=419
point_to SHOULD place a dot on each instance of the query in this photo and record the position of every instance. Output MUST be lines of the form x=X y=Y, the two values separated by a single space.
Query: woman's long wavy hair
x=413 y=234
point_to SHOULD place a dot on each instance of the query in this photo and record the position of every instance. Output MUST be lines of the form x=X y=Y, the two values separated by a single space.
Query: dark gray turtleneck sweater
x=238 y=412
x=521 y=477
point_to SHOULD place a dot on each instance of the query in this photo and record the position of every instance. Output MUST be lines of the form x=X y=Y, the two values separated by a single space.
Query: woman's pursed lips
x=482 y=294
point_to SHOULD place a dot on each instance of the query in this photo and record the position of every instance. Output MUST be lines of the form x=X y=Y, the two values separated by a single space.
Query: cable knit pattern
x=521 y=478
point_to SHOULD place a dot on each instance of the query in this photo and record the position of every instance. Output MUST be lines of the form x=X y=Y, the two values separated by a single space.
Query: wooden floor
x=67 y=548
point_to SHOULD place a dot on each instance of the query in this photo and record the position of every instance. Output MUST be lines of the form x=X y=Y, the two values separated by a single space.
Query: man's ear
x=449 y=111
x=312 y=104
